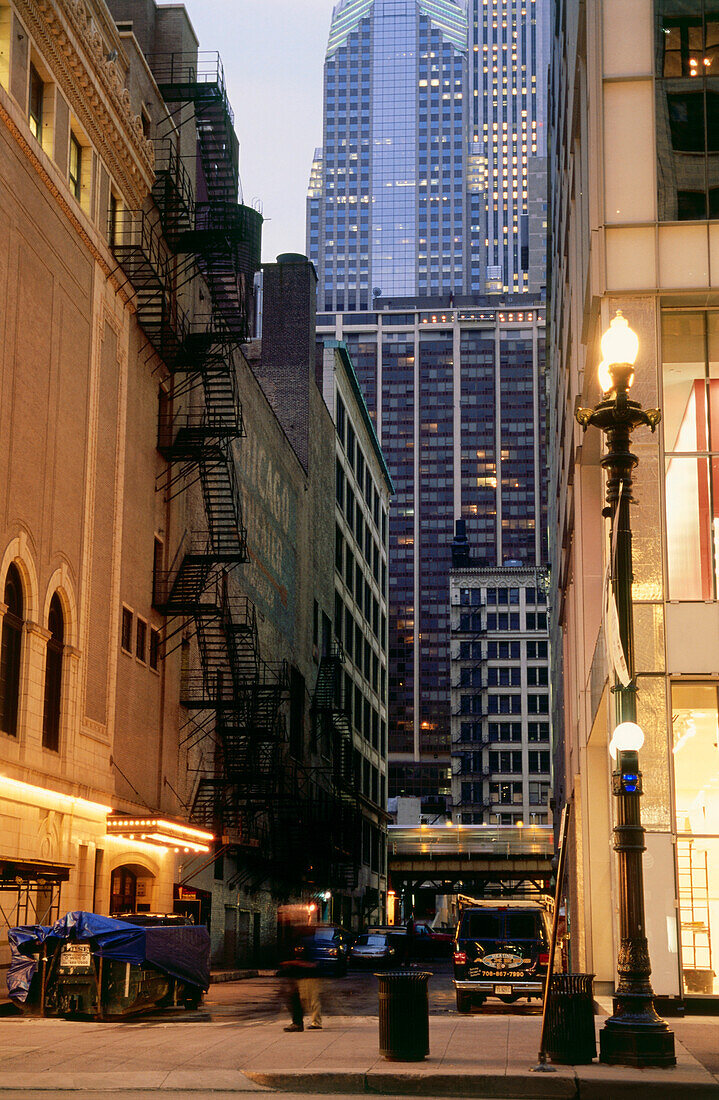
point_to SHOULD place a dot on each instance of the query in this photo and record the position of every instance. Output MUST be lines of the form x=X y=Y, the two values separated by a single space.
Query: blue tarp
x=182 y=951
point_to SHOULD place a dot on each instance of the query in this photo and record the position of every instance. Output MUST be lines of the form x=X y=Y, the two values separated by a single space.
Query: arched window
x=53 y=676
x=10 y=649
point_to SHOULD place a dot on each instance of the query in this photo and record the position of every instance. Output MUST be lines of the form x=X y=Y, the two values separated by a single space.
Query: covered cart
x=88 y=965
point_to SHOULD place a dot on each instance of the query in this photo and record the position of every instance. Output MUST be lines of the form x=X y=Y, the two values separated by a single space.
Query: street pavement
x=236 y=1044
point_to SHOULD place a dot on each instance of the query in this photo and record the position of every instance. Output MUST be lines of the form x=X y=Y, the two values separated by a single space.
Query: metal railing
x=189 y=67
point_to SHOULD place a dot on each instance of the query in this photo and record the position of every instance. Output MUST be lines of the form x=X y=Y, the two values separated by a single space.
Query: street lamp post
x=634 y=1035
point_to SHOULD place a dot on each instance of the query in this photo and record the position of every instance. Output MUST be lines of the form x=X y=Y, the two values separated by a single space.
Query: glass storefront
x=695 y=730
x=690 y=341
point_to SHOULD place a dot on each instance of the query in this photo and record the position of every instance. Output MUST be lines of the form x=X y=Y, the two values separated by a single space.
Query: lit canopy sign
x=160 y=831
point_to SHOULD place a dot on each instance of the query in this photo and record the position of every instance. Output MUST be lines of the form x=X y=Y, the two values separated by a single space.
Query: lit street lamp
x=634 y=1035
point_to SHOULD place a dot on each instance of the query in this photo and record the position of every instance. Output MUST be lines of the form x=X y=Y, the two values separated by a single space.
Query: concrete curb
x=232 y=975
x=566 y=1084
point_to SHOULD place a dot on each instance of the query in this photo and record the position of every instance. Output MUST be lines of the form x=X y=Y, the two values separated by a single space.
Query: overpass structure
x=471 y=859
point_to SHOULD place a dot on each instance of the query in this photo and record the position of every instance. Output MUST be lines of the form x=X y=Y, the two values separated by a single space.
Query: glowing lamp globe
x=620 y=344
x=606 y=381
x=627 y=737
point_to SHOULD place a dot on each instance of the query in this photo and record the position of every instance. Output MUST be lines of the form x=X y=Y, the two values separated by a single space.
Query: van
x=500 y=950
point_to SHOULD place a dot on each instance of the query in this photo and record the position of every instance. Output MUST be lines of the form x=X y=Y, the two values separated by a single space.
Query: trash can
x=570 y=1036
x=403 y=1015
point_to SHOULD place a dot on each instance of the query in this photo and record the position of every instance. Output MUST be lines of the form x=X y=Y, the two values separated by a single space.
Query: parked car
x=326 y=945
x=430 y=943
x=380 y=949
x=500 y=950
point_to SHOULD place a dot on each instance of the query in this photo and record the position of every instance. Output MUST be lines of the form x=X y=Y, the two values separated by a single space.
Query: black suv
x=500 y=951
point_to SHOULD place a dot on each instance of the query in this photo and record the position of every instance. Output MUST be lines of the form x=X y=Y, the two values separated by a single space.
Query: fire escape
x=332 y=737
x=234 y=698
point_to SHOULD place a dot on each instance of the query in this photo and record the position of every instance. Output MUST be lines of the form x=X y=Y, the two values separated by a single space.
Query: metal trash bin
x=570 y=1019
x=404 y=1015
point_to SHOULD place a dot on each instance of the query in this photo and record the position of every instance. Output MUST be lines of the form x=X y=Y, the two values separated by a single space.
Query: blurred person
x=299 y=969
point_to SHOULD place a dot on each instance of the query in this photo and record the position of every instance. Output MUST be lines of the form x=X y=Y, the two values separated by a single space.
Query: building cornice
x=94 y=87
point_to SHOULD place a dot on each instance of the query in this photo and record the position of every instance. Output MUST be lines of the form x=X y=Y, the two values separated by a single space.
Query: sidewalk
x=471 y=1056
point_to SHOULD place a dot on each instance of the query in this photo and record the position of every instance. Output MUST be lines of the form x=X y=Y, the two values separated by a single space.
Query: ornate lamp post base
x=625 y=1041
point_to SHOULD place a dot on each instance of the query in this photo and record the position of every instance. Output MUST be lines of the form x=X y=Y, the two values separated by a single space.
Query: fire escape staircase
x=220 y=228
x=332 y=731
x=247 y=696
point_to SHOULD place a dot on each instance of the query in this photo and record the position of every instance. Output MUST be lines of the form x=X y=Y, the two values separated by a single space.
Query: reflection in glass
x=690 y=373
x=687 y=109
x=689 y=546
x=695 y=732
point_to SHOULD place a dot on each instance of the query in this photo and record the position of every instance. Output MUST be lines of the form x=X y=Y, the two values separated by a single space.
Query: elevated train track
x=455 y=859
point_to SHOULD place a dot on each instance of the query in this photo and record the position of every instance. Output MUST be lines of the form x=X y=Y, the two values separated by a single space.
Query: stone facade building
x=634 y=228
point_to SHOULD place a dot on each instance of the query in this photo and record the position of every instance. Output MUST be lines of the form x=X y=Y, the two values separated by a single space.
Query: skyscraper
x=457 y=399
x=386 y=211
x=432 y=175
x=508 y=97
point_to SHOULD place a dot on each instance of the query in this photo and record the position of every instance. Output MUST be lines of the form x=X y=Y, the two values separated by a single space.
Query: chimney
x=287 y=365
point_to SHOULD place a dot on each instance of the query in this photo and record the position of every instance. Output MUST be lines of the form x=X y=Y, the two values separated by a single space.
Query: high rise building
x=432 y=174
x=508 y=147
x=456 y=395
x=386 y=211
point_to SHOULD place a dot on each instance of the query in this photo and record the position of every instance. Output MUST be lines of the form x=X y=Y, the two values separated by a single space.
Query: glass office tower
x=386 y=207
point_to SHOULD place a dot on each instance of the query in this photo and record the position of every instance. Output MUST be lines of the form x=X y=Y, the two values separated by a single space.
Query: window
x=339 y=549
x=340 y=484
x=687 y=109
x=126 y=630
x=75 y=166
x=154 y=649
x=112 y=218
x=37 y=89
x=695 y=730
x=158 y=576
x=341 y=419
x=141 y=640
x=538 y=761
x=537 y=731
x=10 y=651
x=690 y=367
x=53 y=676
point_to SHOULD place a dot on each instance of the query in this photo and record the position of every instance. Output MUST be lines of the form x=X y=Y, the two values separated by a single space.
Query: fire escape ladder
x=183 y=588
x=172 y=192
x=223 y=507
x=332 y=729
x=139 y=250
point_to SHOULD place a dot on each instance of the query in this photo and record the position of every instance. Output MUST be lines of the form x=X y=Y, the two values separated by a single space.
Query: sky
x=273 y=56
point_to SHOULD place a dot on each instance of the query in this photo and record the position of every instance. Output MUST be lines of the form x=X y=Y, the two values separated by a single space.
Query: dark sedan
x=327 y=946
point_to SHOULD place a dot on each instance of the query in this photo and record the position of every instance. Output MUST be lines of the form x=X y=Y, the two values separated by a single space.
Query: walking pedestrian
x=299 y=971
